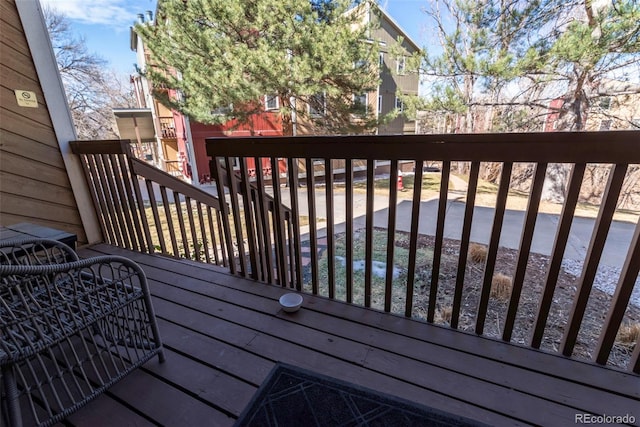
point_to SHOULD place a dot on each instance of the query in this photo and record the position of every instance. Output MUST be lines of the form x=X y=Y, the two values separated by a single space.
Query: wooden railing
x=167 y=127
x=324 y=258
x=145 y=209
x=173 y=167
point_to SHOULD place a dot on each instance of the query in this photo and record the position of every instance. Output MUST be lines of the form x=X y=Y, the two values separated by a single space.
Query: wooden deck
x=223 y=335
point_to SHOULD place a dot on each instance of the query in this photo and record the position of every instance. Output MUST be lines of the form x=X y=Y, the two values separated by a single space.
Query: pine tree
x=596 y=56
x=224 y=56
x=509 y=60
x=485 y=48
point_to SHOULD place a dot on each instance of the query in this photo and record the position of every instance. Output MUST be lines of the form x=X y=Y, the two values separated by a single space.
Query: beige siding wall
x=392 y=83
x=34 y=185
x=621 y=113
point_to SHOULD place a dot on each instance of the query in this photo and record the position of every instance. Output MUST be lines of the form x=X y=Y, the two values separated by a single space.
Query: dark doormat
x=291 y=396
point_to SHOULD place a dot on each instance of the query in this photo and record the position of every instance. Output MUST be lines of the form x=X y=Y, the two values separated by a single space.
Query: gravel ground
x=606 y=278
x=563 y=297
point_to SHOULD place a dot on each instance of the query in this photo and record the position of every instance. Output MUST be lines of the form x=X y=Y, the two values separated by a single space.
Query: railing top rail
x=122 y=146
x=553 y=147
x=107 y=146
x=175 y=184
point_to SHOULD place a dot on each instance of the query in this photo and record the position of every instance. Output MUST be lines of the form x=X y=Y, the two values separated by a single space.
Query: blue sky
x=104 y=24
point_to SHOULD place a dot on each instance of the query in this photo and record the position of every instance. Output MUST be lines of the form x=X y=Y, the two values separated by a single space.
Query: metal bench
x=69 y=328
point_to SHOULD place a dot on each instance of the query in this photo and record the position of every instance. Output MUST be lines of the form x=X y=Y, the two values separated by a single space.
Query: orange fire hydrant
x=400 y=184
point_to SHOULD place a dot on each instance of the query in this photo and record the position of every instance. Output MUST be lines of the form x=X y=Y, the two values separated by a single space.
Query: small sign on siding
x=26 y=98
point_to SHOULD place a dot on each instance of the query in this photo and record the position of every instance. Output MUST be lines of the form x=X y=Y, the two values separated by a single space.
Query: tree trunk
x=287 y=122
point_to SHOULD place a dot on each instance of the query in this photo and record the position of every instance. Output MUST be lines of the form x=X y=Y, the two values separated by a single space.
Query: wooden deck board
x=576 y=395
x=164 y=403
x=118 y=415
x=538 y=361
x=444 y=380
x=223 y=334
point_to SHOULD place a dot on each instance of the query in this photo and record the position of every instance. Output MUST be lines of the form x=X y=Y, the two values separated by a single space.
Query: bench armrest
x=35 y=252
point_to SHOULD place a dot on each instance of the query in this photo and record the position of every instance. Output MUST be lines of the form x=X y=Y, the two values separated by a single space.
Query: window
x=379 y=103
x=399 y=104
x=381 y=59
x=605 y=124
x=360 y=64
x=222 y=111
x=401 y=64
x=360 y=102
x=271 y=102
x=605 y=102
x=317 y=105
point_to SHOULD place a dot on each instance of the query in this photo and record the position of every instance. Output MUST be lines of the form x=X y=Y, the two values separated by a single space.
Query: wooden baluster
x=169 y=218
x=183 y=230
x=413 y=237
x=93 y=182
x=494 y=242
x=262 y=246
x=313 y=233
x=192 y=228
x=331 y=270
x=464 y=242
x=115 y=200
x=368 y=244
x=279 y=226
x=156 y=216
x=621 y=297
x=349 y=228
x=223 y=242
x=264 y=225
x=525 y=248
x=559 y=246
x=212 y=233
x=135 y=183
x=288 y=217
x=594 y=253
x=203 y=233
x=108 y=199
x=295 y=215
x=249 y=219
x=125 y=173
x=437 y=250
x=237 y=219
x=118 y=178
x=391 y=233
x=216 y=170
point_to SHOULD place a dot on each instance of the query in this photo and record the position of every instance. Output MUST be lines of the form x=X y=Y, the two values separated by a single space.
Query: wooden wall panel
x=9 y=103
x=17 y=185
x=20 y=64
x=27 y=127
x=34 y=184
x=33 y=208
x=23 y=146
x=30 y=169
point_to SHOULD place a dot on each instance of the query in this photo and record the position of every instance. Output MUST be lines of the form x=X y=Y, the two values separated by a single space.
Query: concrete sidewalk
x=614 y=253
